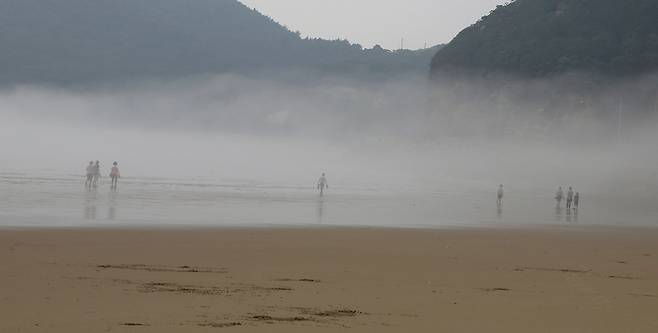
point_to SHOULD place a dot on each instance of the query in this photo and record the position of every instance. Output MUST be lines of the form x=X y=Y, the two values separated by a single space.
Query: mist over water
x=244 y=150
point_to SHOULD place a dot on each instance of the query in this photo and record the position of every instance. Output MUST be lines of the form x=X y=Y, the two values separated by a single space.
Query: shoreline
x=484 y=227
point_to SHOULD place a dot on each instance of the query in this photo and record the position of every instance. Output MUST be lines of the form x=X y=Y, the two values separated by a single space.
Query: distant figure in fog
x=576 y=200
x=559 y=195
x=501 y=193
x=97 y=172
x=322 y=184
x=115 y=175
x=569 y=197
x=90 y=174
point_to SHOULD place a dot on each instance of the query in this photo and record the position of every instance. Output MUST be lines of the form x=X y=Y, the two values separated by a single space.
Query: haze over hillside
x=77 y=41
x=553 y=59
x=537 y=38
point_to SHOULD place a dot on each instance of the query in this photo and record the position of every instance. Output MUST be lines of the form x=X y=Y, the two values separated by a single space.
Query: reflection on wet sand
x=90 y=204
x=558 y=213
x=320 y=210
x=45 y=201
x=112 y=206
x=93 y=199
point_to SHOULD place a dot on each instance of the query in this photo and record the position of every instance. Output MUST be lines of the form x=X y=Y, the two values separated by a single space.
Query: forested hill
x=80 y=41
x=538 y=38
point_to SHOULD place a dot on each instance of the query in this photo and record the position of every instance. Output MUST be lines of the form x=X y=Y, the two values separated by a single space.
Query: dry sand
x=329 y=280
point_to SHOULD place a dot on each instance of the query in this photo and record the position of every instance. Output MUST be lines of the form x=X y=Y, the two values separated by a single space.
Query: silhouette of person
x=576 y=200
x=569 y=197
x=322 y=184
x=90 y=174
x=501 y=193
x=97 y=172
x=559 y=195
x=115 y=175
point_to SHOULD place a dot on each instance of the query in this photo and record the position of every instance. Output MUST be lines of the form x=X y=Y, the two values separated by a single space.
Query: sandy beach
x=326 y=280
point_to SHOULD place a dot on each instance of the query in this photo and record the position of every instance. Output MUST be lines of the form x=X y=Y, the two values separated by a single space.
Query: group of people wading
x=572 y=197
x=94 y=174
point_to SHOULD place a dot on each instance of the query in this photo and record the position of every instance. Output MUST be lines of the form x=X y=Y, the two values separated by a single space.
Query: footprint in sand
x=220 y=325
x=173 y=269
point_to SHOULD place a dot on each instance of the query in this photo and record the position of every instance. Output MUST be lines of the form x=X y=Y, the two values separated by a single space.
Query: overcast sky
x=383 y=22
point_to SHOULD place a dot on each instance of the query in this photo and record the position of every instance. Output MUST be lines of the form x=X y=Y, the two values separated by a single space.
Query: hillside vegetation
x=539 y=38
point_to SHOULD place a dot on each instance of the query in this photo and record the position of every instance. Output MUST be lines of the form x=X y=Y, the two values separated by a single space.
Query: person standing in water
x=559 y=195
x=115 y=175
x=501 y=193
x=97 y=172
x=90 y=174
x=569 y=197
x=322 y=184
x=576 y=200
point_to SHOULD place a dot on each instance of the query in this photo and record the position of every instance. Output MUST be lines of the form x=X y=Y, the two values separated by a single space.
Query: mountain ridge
x=80 y=41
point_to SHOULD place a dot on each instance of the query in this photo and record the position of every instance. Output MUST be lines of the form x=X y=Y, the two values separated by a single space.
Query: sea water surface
x=61 y=200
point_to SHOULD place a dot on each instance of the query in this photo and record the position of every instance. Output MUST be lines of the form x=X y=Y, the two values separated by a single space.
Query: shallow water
x=57 y=200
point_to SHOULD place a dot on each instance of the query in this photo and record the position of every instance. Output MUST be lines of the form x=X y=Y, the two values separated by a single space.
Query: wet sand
x=564 y=279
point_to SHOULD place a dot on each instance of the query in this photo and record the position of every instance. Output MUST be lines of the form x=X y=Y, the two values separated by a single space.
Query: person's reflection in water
x=320 y=210
x=90 y=204
x=575 y=215
x=112 y=207
x=569 y=215
x=558 y=213
x=499 y=211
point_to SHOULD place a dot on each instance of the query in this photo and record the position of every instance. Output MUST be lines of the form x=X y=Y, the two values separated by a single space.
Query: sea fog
x=236 y=150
